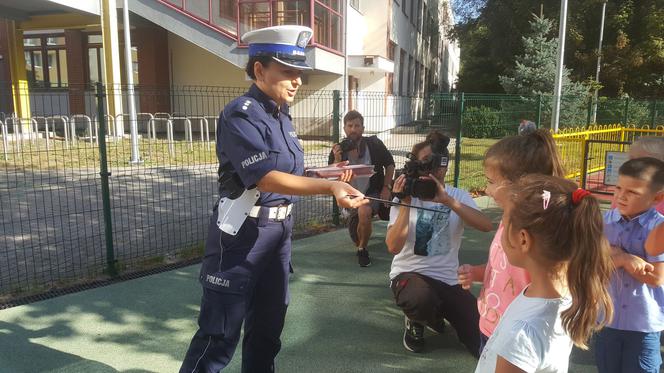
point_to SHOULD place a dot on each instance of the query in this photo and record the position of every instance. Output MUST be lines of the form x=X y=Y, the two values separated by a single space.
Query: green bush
x=612 y=110
x=484 y=123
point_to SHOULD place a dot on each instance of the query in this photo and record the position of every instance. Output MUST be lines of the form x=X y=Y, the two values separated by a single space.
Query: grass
x=83 y=155
x=159 y=153
x=471 y=176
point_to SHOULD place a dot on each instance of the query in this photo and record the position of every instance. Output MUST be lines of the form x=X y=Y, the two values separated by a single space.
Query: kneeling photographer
x=367 y=150
x=425 y=239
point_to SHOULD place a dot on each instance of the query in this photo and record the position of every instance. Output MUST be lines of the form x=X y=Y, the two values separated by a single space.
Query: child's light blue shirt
x=637 y=306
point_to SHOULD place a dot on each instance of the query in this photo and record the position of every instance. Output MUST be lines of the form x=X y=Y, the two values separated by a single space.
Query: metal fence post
x=457 y=145
x=626 y=113
x=336 y=117
x=539 y=110
x=584 y=163
x=105 y=190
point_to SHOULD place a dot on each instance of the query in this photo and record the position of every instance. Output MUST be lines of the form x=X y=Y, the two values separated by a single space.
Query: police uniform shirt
x=256 y=137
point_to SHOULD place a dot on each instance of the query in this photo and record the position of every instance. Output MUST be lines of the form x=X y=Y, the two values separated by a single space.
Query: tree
x=490 y=32
x=535 y=72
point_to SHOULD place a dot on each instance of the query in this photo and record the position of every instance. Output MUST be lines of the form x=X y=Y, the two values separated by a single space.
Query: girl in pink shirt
x=504 y=163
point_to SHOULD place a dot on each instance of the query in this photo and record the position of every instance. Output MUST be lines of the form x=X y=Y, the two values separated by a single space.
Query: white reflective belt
x=275 y=213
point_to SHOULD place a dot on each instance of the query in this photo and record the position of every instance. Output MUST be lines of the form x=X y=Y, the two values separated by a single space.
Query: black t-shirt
x=381 y=158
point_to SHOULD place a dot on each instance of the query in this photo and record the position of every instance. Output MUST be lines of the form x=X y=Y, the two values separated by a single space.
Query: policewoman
x=245 y=269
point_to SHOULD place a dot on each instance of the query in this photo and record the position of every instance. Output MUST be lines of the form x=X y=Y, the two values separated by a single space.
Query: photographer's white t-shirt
x=434 y=238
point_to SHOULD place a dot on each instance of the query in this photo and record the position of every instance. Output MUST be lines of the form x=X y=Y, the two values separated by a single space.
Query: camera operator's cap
x=285 y=44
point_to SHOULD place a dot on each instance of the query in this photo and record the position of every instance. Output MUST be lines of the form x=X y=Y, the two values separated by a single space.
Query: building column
x=112 y=53
x=153 y=69
x=19 y=77
x=6 y=104
x=74 y=39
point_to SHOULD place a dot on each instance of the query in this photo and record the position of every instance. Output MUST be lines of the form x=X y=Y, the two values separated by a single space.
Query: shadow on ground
x=341 y=319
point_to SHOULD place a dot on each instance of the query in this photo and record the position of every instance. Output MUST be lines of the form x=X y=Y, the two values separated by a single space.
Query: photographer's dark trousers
x=250 y=284
x=428 y=301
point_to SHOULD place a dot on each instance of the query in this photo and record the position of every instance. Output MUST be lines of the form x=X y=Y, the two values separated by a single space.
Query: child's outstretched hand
x=465 y=276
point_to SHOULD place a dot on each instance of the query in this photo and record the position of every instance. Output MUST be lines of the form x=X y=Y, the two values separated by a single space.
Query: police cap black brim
x=296 y=64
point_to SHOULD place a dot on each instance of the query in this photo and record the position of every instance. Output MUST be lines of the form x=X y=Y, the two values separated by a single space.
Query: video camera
x=424 y=189
x=347 y=145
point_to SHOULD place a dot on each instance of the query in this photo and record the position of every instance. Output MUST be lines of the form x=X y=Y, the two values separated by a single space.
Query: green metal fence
x=80 y=198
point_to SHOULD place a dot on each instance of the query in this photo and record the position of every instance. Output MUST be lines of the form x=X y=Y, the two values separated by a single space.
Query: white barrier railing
x=205 y=130
x=88 y=120
x=169 y=135
x=213 y=119
x=110 y=127
x=188 y=134
x=37 y=120
x=21 y=130
x=149 y=123
x=5 y=139
x=65 y=128
x=15 y=129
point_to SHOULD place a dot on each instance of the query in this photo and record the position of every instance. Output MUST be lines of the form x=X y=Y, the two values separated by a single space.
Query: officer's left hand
x=441 y=193
x=342 y=193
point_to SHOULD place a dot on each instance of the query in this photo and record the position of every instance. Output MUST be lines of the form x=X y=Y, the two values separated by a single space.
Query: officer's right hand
x=347 y=196
x=336 y=150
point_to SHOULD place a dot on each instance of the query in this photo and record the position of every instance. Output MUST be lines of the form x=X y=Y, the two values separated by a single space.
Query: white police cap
x=285 y=44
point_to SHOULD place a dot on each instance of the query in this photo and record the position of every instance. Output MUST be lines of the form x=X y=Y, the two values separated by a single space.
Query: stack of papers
x=333 y=172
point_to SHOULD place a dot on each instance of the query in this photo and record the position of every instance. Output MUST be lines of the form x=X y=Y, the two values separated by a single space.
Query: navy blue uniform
x=245 y=277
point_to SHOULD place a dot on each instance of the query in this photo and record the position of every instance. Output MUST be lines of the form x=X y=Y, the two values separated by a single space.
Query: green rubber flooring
x=341 y=319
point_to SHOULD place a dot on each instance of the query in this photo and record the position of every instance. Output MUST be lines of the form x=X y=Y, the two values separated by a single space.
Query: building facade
x=379 y=52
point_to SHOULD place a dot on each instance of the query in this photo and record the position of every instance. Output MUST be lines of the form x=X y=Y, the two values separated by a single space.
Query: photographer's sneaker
x=413 y=336
x=439 y=328
x=363 y=258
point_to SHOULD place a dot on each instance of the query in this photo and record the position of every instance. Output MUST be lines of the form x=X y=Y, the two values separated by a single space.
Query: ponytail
x=588 y=273
x=567 y=225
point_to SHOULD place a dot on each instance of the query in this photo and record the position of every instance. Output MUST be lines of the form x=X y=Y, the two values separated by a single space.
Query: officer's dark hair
x=249 y=69
x=352 y=115
x=646 y=169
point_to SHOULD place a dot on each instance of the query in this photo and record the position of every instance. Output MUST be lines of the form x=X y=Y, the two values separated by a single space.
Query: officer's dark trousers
x=260 y=252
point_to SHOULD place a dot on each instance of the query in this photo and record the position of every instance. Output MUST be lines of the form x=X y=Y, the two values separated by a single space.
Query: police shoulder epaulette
x=241 y=106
